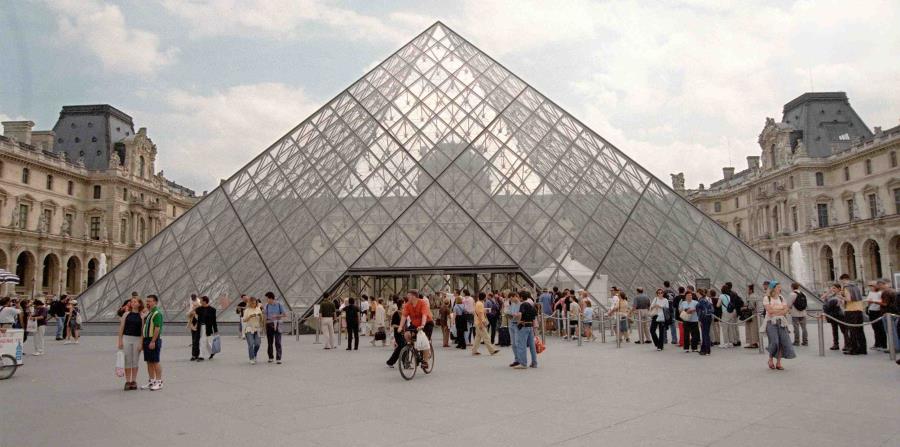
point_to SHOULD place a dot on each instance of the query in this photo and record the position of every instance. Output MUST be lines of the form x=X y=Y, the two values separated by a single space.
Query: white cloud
x=289 y=19
x=206 y=137
x=686 y=86
x=102 y=30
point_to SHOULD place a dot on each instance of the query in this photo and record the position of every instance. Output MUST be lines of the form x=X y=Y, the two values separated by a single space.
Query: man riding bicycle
x=419 y=314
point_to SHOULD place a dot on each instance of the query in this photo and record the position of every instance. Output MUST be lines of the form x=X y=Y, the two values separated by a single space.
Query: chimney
x=702 y=187
x=728 y=173
x=18 y=130
x=878 y=131
x=753 y=162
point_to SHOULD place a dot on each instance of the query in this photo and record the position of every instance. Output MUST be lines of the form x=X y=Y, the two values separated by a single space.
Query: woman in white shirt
x=253 y=320
x=780 y=345
x=658 y=308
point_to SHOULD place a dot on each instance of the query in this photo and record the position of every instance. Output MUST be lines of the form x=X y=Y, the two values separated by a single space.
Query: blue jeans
x=252 y=344
x=525 y=340
x=60 y=324
x=513 y=335
x=705 y=323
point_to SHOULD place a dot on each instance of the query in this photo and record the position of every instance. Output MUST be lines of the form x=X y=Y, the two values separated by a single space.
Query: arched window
x=142 y=167
x=26 y=175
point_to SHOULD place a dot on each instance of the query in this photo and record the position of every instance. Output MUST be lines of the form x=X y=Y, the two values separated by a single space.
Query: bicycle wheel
x=7 y=366
x=408 y=362
x=430 y=362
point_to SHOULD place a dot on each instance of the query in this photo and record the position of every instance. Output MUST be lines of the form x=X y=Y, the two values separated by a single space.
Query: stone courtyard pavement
x=591 y=395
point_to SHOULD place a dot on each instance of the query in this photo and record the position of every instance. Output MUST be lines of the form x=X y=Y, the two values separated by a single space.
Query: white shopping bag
x=31 y=327
x=422 y=341
x=120 y=364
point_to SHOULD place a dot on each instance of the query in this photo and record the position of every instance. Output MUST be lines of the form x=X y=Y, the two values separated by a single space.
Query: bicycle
x=411 y=358
x=8 y=366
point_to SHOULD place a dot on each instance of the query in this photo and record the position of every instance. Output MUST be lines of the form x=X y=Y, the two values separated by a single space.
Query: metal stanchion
x=318 y=330
x=618 y=324
x=566 y=323
x=602 y=328
x=640 y=325
x=543 y=323
x=579 y=329
x=820 y=323
x=891 y=331
x=760 y=334
x=340 y=327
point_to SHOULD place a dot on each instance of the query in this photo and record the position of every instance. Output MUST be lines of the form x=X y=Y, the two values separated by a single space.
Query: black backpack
x=800 y=302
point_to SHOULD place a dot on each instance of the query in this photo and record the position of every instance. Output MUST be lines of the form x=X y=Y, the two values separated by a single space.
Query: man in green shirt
x=153 y=324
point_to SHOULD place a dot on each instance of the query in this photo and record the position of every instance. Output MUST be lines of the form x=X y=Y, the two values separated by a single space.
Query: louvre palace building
x=78 y=199
x=825 y=186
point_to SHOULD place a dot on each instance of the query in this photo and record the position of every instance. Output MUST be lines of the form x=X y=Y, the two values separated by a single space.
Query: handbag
x=215 y=345
x=120 y=363
x=422 y=343
x=380 y=335
x=539 y=346
x=684 y=315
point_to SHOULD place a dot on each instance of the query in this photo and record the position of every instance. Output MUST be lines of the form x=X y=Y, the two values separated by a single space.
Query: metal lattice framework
x=438 y=157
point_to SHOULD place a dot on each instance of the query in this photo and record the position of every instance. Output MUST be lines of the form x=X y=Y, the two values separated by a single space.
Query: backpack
x=736 y=302
x=832 y=308
x=704 y=309
x=800 y=301
x=730 y=306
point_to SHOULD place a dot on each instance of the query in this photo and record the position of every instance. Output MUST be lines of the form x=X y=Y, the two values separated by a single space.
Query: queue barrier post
x=580 y=328
x=543 y=324
x=318 y=330
x=640 y=325
x=618 y=328
x=891 y=337
x=602 y=328
x=820 y=325
x=760 y=336
x=340 y=328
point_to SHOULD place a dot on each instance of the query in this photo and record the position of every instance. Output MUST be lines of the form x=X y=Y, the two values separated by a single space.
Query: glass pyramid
x=438 y=157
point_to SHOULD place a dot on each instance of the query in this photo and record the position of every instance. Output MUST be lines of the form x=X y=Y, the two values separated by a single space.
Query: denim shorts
x=152 y=355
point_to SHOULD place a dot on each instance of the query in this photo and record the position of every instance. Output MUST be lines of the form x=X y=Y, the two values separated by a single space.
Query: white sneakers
x=252 y=362
x=153 y=385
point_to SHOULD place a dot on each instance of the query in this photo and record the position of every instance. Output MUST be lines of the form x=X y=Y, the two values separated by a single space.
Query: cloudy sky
x=677 y=85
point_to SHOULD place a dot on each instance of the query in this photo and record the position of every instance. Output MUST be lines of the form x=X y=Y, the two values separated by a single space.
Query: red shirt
x=417 y=313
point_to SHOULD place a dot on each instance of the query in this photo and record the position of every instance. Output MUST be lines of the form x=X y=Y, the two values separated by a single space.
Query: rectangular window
x=123 y=230
x=70 y=188
x=850 y=215
x=97 y=191
x=791 y=181
x=820 y=179
x=173 y=210
x=795 y=219
x=897 y=200
x=717 y=207
x=893 y=159
x=846 y=173
x=873 y=205
x=775 y=223
x=737 y=202
x=737 y=230
x=48 y=214
x=822 y=211
x=868 y=166
x=50 y=182
x=95 y=228
x=23 y=216
x=125 y=194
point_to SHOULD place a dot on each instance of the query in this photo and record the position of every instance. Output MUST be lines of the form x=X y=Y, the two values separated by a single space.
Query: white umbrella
x=6 y=277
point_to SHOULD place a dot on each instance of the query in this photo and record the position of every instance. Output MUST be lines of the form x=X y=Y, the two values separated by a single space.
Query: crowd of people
x=693 y=319
x=33 y=316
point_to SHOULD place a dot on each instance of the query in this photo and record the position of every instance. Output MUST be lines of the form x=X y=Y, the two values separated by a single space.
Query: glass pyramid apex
x=437 y=158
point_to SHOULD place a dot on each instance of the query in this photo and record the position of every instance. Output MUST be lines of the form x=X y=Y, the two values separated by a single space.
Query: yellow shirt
x=479 y=312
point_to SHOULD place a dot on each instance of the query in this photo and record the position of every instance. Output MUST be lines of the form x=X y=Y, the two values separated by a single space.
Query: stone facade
x=839 y=202
x=60 y=220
